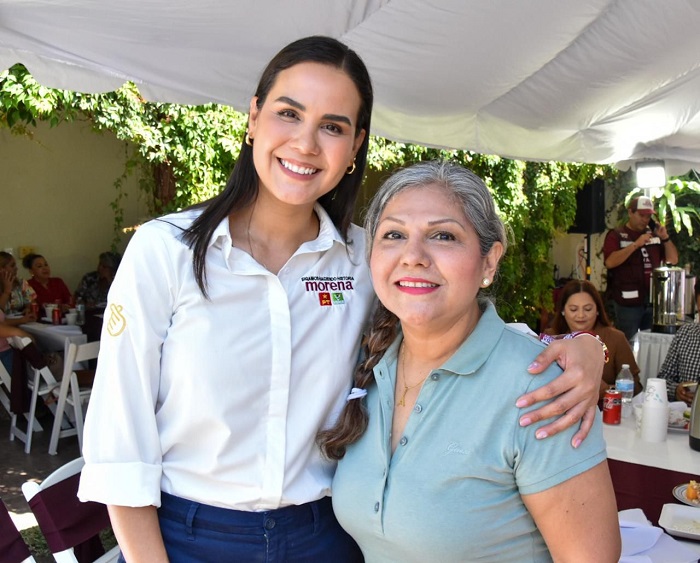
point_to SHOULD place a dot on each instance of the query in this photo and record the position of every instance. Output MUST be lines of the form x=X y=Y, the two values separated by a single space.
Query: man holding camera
x=631 y=253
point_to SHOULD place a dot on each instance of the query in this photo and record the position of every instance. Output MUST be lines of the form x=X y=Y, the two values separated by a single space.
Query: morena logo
x=329 y=289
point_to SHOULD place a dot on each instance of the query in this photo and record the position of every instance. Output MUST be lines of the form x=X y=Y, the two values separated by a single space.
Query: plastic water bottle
x=625 y=385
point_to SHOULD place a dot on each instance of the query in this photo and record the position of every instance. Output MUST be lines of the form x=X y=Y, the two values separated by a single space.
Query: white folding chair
x=68 y=524
x=5 y=394
x=41 y=384
x=70 y=393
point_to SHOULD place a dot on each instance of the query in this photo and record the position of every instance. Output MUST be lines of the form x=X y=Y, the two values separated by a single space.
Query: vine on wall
x=184 y=154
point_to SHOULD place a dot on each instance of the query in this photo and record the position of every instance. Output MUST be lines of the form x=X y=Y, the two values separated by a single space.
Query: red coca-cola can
x=56 y=316
x=35 y=309
x=612 y=406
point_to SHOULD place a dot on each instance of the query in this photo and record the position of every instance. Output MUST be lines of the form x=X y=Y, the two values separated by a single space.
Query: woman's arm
x=138 y=533
x=575 y=392
x=8 y=330
x=578 y=518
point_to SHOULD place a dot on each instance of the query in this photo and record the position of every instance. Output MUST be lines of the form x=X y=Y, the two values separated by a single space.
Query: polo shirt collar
x=473 y=352
x=477 y=348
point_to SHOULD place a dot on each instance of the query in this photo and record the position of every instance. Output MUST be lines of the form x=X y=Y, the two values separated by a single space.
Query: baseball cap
x=643 y=205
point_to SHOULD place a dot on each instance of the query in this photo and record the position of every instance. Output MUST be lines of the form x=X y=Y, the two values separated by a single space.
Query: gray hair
x=466 y=187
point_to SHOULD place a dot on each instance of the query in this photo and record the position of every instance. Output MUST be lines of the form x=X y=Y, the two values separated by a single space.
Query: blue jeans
x=631 y=319
x=308 y=532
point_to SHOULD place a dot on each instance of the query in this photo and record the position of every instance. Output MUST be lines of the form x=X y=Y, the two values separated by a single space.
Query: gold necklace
x=406 y=388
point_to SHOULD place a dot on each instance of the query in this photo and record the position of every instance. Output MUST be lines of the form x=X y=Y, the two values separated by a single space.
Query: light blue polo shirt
x=451 y=491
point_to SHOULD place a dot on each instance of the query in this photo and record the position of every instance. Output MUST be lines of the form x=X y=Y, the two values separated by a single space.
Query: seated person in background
x=6 y=331
x=682 y=363
x=48 y=289
x=580 y=308
x=95 y=285
x=16 y=294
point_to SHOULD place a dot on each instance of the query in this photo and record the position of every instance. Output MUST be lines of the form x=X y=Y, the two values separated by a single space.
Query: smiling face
x=580 y=312
x=304 y=135
x=426 y=262
x=40 y=269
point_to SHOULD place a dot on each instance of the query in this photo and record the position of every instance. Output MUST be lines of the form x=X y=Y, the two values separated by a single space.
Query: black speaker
x=590 y=209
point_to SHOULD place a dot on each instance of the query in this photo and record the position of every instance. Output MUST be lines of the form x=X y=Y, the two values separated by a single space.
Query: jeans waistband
x=184 y=511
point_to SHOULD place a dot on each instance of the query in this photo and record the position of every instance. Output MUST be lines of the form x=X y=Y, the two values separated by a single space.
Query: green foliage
x=678 y=206
x=184 y=154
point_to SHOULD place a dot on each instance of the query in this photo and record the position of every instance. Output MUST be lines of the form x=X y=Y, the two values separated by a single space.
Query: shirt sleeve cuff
x=122 y=484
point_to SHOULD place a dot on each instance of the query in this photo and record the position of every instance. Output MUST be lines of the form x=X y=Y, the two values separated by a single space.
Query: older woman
x=580 y=308
x=433 y=464
x=47 y=288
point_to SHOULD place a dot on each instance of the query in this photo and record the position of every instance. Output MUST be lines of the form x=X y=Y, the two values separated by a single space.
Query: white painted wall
x=55 y=191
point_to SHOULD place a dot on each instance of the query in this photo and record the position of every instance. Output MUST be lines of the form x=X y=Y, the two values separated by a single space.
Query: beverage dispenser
x=668 y=298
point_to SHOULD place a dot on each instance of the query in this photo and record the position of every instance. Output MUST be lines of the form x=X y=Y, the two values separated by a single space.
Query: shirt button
x=435 y=376
x=403 y=441
x=269 y=524
x=417 y=408
x=376 y=507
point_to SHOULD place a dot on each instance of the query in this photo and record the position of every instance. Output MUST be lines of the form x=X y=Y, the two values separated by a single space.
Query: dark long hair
x=559 y=324
x=242 y=186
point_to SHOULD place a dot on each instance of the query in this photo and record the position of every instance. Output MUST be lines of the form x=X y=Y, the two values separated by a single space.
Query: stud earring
x=248 y=140
x=485 y=282
x=351 y=169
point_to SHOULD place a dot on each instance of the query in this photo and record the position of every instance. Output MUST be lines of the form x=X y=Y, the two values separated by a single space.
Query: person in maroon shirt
x=631 y=253
x=48 y=289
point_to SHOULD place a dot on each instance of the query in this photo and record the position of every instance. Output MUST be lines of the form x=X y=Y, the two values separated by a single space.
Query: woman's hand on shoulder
x=574 y=393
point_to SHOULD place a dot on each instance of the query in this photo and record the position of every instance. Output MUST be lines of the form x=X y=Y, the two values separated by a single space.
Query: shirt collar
x=327 y=235
x=477 y=348
x=473 y=352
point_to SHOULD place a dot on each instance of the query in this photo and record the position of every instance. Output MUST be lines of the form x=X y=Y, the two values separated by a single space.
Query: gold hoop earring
x=248 y=140
x=351 y=169
x=485 y=282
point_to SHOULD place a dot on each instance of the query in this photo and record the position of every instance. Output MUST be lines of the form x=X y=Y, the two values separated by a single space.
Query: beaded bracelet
x=546 y=338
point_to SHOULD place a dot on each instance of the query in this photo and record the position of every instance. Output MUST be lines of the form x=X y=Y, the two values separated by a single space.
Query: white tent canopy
x=606 y=81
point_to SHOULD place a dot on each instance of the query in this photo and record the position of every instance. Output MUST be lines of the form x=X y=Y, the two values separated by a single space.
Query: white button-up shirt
x=219 y=400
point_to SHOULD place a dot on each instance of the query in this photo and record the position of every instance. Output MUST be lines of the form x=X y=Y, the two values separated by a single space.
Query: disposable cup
x=638 y=416
x=654 y=422
x=655 y=391
x=71 y=318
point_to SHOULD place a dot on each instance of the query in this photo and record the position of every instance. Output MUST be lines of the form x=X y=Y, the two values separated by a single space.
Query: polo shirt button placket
x=403 y=441
x=417 y=408
x=376 y=507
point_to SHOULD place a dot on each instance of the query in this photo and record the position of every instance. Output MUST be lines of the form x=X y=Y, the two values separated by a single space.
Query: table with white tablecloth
x=650 y=352
x=54 y=338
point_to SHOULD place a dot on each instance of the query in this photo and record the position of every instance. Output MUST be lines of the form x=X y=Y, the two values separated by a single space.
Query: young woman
x=580 y=308
x=231 y=334
x=433 y=464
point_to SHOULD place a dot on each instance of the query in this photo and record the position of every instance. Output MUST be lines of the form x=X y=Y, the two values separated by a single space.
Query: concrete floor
x=16 y=467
